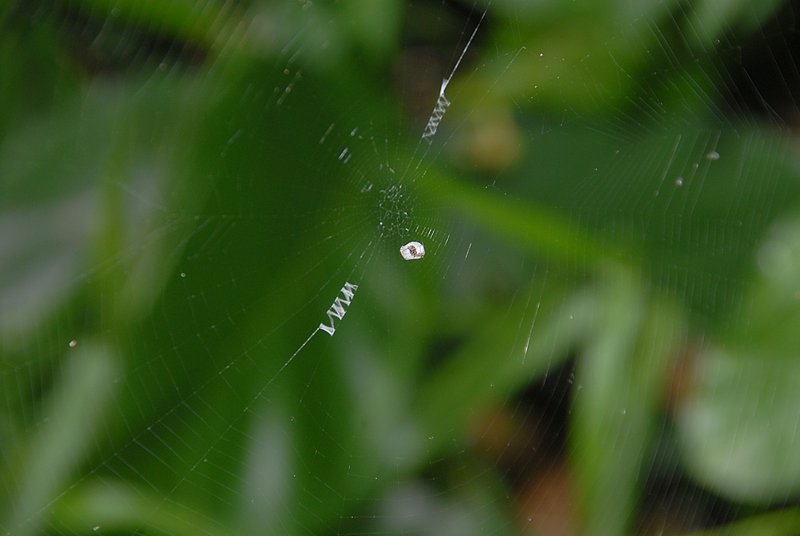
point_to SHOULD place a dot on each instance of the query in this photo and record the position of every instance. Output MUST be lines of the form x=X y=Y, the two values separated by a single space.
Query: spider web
x=208 y=327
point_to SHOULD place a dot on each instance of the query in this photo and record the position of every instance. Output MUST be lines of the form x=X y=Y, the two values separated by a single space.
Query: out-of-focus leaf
x=775 y=298
x=71 y=420
x=778 y=523
x=36 y=76
x=226 y=30
x=109 y=204
x=43 y=248
x=374 y=25
x=268 y=490
x=616 y=196
x=535 y=227
x=497 y=363
x=622 y=375
x=182 y=19
x=117 y=507
x=391 y=439
x=477 y=507
x=740 y=428
x=558 y=63
x=710 y=19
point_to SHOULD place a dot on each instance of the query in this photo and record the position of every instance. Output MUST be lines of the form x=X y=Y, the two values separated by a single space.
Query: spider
x=412 y=251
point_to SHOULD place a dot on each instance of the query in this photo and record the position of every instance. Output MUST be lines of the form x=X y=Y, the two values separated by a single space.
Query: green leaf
x=72 y=418
x=740 y=428
x=709 y=19
x=495 y=364
x=621 y=379
x=115 y=507
x=778 y=523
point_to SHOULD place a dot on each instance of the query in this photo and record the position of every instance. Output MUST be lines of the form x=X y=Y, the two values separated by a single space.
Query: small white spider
x=412 y=251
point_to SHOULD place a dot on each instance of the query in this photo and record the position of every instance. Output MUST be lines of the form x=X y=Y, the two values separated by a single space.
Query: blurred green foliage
x=177 y=213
